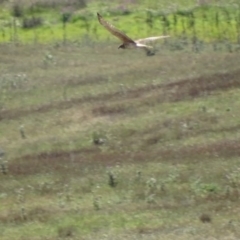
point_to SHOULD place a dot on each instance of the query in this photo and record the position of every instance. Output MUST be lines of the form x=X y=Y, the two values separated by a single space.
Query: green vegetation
x=45 y=21
x=99 y=143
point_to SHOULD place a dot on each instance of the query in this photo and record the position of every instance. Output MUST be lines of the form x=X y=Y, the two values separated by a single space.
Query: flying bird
x=127 y=42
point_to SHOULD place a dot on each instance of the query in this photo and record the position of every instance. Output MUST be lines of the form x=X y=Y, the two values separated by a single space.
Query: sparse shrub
x=184 y=13
x=172 y=177
x=17 y=9
x=205 y=218
x=32 y=22
x=66 y=15
x=20 y=196
x=45 y=187
x=4 y=166
x=152 y=183
x=151 y=198
x=232 y=193
x=139 y=176
x=98 y=138
x=96 y=203
x=15 y=216
x=2 y=153
x=217 y=19
x=237 y=20
x=112 y=179
x=48 y=60
x=66 y=231
x=204 y=189
x=98 y=141
x=20 y=199
x=165 y=24
x=59 y=3
x=210 y=188
x=151 y=188
x=120 y=10
x=38 y=213
x=61 y=200
x=22 y=132
x=23 y=214
x=149 y=19
x=65 y=196
x=175 y=22
x=13 y=81
x=234 y=178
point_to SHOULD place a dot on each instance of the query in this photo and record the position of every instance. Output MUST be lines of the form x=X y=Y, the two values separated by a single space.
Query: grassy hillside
x=170 y=153
x=100 y=143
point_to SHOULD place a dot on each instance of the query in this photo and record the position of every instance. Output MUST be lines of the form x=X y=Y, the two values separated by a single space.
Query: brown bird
x=129 y=43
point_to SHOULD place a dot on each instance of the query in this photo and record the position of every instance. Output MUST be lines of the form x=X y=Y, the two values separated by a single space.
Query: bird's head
x=122 y=46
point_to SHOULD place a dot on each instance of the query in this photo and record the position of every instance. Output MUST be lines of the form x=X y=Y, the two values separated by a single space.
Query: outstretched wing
x=150 y=39
x=113 y=30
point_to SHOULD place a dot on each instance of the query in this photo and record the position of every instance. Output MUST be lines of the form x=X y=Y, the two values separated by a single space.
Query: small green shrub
x=112 y=179
x=67 y=231
x=17 y=9
x=32 y=22
x=59 y=3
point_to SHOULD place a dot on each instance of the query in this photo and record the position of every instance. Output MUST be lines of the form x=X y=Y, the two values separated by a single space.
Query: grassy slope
x=171 y=130
x=171 y=124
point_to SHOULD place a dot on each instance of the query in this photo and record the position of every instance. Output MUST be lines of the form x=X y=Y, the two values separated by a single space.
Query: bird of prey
x=127 y=42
